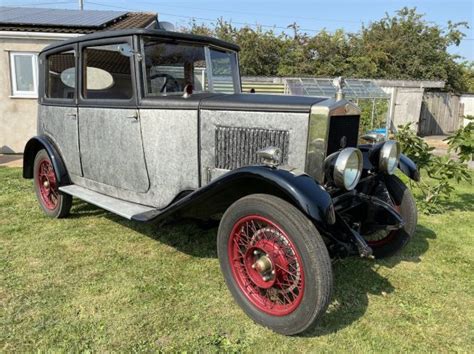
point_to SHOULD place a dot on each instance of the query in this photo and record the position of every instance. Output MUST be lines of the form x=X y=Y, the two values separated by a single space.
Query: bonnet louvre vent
x=237 y=147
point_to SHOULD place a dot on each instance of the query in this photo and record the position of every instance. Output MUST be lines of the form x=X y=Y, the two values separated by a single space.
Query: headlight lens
x=389 y=156
x=348 y=168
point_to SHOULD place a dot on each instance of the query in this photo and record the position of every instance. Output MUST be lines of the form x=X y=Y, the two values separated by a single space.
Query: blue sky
x=310 y=15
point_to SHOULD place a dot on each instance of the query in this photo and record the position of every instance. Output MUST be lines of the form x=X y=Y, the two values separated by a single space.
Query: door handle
x=133 y=116
x=71 y=115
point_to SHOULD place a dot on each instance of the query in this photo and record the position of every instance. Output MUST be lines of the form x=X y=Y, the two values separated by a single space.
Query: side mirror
x=188 y=90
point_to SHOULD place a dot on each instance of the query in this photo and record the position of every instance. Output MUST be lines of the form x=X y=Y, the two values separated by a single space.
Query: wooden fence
x=441 y=113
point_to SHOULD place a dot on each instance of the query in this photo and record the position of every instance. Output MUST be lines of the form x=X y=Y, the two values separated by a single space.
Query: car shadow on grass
x=188 y=236
x=354 y=279
x=81 y=209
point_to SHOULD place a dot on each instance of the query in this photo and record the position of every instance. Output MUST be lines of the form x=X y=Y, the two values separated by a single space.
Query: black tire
x=62 y=202
x=309 y=246
x=405 y=202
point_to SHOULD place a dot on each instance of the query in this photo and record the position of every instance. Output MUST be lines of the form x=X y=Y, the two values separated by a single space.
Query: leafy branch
x=442 y=170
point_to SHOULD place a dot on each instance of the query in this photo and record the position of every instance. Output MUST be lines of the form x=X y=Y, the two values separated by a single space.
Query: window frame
x=44 y=79
x=15 y=93
x=237 y=80
x=106 y=102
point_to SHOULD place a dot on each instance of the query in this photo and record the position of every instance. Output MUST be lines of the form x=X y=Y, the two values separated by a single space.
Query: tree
x=403 y=46
x=468 y=75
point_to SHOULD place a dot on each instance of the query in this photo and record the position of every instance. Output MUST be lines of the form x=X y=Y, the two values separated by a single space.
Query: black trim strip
x=149 y=32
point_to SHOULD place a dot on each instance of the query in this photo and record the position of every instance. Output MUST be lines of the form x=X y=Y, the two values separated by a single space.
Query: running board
x=120 y=207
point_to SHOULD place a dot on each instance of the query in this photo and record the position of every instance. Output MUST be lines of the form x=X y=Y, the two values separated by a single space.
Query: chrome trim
x=340 y=167
x=207 y=55
x=373 y=138
x=385 y=154
x=318 y=132
x=271 y=156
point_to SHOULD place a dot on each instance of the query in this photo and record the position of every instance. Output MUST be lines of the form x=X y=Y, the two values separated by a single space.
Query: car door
x=109 y=123
x=58 y=109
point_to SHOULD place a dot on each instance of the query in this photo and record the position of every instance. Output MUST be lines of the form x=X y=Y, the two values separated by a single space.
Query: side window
x=223 y=66
x=61 y=81
x=107 y=72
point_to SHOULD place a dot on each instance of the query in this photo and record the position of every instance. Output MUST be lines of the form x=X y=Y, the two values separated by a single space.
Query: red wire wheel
x=266 y=265
x=47 y=186
x=275 y=263
x=53 y=203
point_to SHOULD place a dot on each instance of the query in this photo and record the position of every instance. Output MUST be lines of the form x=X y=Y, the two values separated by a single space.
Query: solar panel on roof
x=324 y=87
x=57 y=17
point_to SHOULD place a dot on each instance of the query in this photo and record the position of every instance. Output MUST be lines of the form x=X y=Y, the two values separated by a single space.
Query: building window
x=24 y=74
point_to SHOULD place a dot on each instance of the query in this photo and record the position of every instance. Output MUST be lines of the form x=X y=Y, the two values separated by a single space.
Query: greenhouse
x=372 y=99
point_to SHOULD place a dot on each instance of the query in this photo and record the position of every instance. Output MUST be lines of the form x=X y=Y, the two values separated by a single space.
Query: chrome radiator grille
x=237 y=147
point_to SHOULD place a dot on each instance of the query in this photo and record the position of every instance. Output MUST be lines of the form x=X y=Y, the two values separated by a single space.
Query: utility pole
x=81 y=4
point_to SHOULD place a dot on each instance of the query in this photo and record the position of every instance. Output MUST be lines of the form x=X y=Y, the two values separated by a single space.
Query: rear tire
x=405 y=204
x=53 y=203
x=275 y=263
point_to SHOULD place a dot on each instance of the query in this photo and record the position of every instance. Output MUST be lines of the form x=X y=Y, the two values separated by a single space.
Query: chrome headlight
x=345 y=168
x=389 y=156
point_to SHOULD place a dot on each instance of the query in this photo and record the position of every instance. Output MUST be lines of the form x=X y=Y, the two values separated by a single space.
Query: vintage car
x=152 y=125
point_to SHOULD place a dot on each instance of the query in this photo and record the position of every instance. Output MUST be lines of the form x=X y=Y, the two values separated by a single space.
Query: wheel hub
x=263 y=265
x=259 y=267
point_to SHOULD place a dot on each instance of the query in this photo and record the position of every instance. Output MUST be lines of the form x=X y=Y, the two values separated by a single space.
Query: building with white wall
x=24 y=32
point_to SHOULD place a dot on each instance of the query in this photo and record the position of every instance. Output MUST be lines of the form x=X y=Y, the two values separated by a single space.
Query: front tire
x=53 y=203
x=388 y=244
x=275 y=263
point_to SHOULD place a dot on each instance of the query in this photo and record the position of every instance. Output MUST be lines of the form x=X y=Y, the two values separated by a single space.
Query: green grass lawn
x=95 y=281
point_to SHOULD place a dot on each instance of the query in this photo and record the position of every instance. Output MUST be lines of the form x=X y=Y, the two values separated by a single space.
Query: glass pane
x=223 y=68
x=24 y=72
x=108 y=73
x=61 y=75
x=169 y=67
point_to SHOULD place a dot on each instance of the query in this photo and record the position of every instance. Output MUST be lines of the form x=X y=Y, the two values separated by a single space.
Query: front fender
x=406 y=165
x=32 y=147
x=298 y=189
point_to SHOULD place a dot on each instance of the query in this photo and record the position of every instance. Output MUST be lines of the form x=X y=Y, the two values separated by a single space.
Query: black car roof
x=148 y=32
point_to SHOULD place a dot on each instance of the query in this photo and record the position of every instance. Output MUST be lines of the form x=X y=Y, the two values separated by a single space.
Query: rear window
x=61 y=80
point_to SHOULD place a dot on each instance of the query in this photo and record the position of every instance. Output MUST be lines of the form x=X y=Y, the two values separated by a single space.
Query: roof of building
x=71 y=21
x=410 y=83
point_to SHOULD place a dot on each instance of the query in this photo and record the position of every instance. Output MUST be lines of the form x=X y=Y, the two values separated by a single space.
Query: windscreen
x=171 y=66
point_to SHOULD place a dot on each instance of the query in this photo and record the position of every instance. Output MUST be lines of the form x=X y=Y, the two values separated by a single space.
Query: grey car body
x=152 y=124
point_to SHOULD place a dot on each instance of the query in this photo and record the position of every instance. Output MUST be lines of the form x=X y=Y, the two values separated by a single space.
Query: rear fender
x=32 y=147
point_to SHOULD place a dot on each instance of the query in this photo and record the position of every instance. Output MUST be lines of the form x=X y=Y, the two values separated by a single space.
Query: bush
x=462 y=141
x=443 y=170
